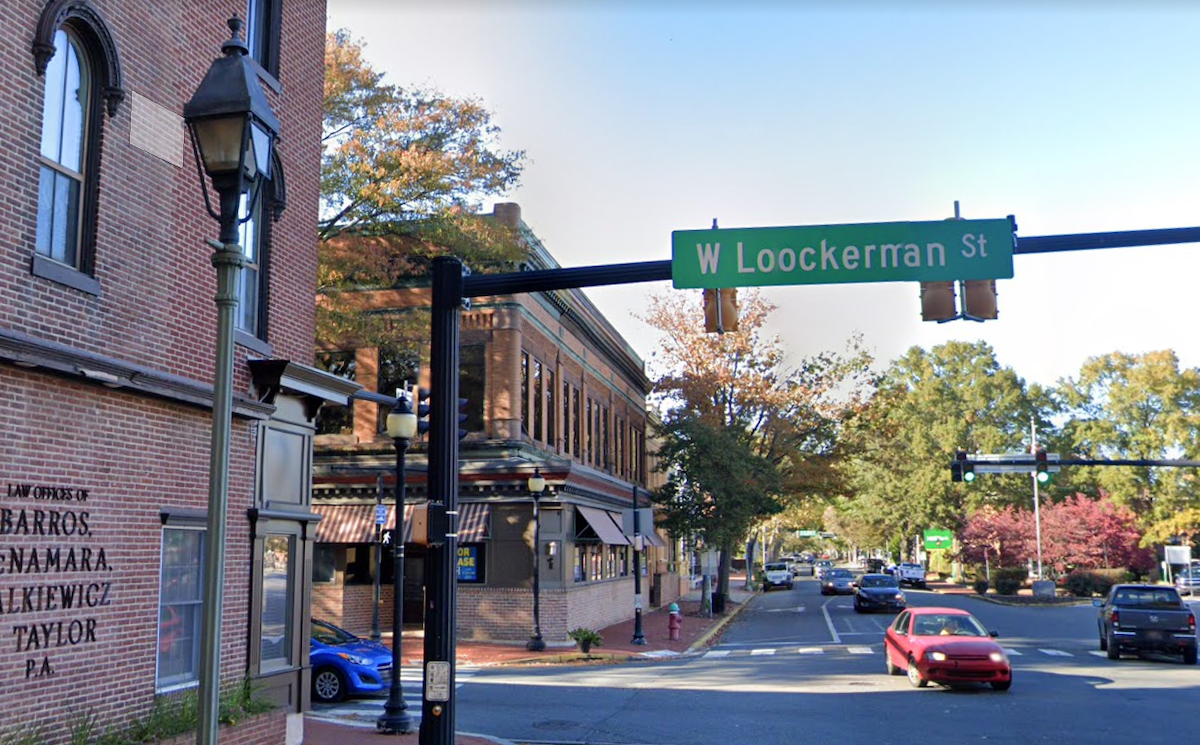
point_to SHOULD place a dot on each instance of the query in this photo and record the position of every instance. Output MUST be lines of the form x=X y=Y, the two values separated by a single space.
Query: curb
x=703 y=641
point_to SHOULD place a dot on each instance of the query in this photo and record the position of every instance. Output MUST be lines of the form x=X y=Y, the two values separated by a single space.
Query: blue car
x=346 y=665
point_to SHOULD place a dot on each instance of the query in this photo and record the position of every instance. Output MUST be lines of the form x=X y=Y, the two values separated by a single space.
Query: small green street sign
x=806 y=533
x=938 y=251
x=938 y=539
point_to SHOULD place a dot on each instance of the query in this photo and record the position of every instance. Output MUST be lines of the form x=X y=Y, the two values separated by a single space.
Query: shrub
x=1085 y=583
x=981 y=585
x=586 y=638
x=1008 y=580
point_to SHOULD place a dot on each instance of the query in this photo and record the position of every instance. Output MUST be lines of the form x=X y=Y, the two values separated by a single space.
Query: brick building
x=107 y=344
x=551 y=386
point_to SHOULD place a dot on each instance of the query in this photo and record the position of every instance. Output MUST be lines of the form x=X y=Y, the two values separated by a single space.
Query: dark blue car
x=346 y=665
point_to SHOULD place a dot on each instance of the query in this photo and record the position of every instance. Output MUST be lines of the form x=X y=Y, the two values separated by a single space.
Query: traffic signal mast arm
x=1029 y=463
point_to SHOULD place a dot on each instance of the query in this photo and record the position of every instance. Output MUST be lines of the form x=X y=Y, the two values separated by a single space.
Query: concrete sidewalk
x=696 y=634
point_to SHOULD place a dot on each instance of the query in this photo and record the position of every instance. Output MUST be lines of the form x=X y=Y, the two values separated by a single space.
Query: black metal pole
x=536 y=643
x=638 y=636
x=395 y=718
x=437 y=705
x=375 y=635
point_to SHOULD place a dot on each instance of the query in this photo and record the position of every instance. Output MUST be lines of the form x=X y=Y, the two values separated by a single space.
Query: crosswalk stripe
x=810 y=650
x=717 y=653
x=859 y=650
x=757 y=652
x=1056 y=653
x=1098 y=653
x=1011 y=652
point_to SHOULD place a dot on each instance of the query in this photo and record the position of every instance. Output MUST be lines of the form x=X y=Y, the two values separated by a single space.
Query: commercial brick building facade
x=107 y=339
x=551 y=386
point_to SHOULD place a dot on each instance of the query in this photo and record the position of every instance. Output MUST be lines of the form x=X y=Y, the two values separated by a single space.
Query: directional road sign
x=941 y=250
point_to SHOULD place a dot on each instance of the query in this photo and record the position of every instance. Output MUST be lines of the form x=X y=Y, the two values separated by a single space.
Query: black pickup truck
x=1146 y=617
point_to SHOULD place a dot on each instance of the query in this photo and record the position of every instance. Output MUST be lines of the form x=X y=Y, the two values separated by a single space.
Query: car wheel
x=914 y=675
x=329 y=686
x=1189 y=656
x=892 y=669
x=1113 y=649
x=1103 y=640
x=1002 y=685
x=857 y=607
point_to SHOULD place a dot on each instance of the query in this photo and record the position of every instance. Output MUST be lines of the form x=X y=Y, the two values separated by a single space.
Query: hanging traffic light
x=1042 y=474
x=720 y=311
x=979 y=300
x=937 y=302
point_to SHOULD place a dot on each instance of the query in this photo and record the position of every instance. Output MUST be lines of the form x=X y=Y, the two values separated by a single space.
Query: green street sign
x=943 y=250
x=938 y=539
x=806 y=533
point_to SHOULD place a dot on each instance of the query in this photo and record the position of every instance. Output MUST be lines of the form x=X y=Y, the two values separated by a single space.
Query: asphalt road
x=797 y=668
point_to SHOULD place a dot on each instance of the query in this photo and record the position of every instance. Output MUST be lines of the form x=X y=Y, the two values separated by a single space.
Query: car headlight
x=997 y=657
x=354 y=659
x=937 y=656
x=900 y=597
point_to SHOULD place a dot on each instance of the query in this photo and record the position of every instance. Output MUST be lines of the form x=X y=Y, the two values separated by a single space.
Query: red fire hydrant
x=674 y=621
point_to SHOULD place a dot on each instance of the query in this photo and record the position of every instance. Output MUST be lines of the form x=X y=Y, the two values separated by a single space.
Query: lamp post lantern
x=537 y=485
x=401 y=427
x=233 y=130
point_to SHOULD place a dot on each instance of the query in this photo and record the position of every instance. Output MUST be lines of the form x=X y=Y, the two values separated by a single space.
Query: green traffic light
x=968 y=476
x=1043 y=477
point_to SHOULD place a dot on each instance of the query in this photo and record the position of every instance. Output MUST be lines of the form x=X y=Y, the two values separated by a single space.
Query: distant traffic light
x=1042 y=474
x=962 y=469
x=720 y=311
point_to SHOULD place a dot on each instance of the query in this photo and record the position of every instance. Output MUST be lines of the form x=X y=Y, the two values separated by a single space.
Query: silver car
x=838 y=582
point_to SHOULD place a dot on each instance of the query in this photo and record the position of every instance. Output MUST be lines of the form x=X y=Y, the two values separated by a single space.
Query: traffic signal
x=720 y=310
x=979 y=300
x=937 y=302
x=962 y=469
x=462 y=417
x=422 y=408
x=1042 y=474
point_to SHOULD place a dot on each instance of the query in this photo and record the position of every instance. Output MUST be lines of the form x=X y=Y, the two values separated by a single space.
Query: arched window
x=63 y=162
x=76 y=56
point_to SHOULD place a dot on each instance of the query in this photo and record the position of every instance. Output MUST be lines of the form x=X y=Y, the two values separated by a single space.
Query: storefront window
x=277 y=601
x=324 y=564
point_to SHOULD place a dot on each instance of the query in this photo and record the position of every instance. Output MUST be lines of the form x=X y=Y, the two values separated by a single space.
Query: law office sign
x=938 y=539
x=942 y=250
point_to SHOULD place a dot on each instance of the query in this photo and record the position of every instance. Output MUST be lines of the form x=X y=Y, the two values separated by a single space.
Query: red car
x=947 y=646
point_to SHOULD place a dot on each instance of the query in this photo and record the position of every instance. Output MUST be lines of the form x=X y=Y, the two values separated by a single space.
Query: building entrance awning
x=355 y=523
x=605 y=524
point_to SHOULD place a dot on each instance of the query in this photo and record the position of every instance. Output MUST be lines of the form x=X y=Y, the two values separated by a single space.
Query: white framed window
x=180 y=606
x=278 y=593
x=63 y=155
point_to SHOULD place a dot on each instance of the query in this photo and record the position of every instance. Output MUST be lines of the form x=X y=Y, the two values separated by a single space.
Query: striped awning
x=604 y=524
x=473 y=522
x=355 y=523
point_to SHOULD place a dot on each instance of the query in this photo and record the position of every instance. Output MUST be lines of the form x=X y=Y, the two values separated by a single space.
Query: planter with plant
x=586 y=638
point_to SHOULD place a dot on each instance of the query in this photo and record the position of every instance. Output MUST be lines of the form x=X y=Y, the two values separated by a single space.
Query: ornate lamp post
x=536 y=486
x=401 y=427
x=233 y=130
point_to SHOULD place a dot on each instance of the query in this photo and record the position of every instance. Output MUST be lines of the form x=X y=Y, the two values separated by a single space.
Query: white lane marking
x=829 y=622
x=860 y=650
x=717 y=653
x=810 y=650
x=762 y=651
x=1056 y=653
x=1012 y=652
x=1098 y=653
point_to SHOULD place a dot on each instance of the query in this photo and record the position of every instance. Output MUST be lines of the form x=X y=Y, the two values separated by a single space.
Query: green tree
x=402 y=173
x=1127 y=406
x=928 y=405
x=744 y=435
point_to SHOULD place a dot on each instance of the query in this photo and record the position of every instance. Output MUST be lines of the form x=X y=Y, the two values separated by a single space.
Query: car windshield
x=936 y=624
x=840 y=574
x=877 y=582
x=777 y=567
x=330 y=634
x=1148 y=598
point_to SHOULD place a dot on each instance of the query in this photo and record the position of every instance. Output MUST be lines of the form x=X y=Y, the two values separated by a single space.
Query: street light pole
x=1037 y=514
x=232 y=130
x=638 y=637
x=537 y=485
x=401 y=427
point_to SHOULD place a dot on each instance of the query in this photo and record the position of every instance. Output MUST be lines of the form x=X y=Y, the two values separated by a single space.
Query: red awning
x=355 y=523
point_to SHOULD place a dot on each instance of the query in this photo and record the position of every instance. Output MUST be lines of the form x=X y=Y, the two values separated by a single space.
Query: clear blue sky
x=639 y=118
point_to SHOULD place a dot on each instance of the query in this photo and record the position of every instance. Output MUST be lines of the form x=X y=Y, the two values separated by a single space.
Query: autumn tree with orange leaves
x=402 y=174
x=744 y=435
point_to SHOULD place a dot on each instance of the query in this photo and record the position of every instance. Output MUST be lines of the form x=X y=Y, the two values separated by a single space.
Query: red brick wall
x=506 y=614
x=131 y=453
